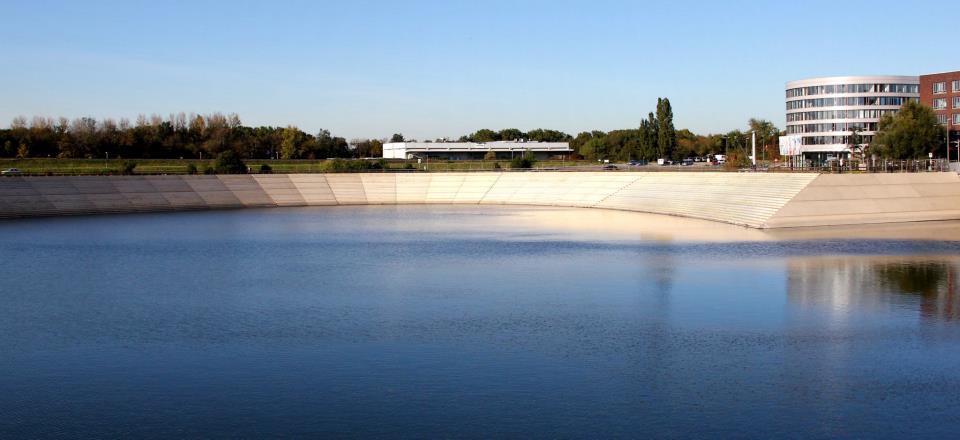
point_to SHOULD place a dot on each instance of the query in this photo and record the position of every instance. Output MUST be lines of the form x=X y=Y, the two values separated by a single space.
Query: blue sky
x=432 y=69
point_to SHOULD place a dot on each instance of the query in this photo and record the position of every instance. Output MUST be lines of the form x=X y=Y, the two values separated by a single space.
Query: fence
x=876 y=166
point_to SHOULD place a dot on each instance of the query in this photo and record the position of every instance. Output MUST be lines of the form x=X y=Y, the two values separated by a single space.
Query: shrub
x=408 y=166
x=341 y=165
x=266 y=169
x=127 y=167
x=191 y=169
x=525 y=161
x=229 y=162
x=209 y=170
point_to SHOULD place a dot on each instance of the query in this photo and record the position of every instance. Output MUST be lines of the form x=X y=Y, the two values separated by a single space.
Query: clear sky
x=432 y=69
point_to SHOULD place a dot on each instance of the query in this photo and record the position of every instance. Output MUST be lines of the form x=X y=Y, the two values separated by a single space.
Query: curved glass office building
x=822 y=112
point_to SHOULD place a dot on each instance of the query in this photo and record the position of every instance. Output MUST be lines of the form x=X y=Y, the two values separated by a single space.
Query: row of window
x=941 y=87
x=837 y=114
x=942 y=118
x=849 y=102
x=839 y=126
x=831 y=140
x=941 y=103
x=853 y=88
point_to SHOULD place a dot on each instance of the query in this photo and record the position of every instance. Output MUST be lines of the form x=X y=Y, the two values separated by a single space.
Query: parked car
x=10 y=172
x=687 y=162
x=609 y=166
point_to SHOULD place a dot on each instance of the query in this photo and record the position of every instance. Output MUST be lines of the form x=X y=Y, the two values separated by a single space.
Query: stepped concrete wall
x=758 y=200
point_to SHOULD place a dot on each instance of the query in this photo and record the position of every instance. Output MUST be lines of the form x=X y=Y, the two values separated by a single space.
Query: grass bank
x=80 y=167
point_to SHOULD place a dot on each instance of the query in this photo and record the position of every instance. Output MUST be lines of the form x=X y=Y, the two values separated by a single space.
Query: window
x=940 y=103
x=956 y=102
x=942 y=118
x=956 y=85
x=956 y=119
x=940 y=87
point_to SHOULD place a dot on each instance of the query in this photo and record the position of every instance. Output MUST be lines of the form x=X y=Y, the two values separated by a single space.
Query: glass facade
x=852 y=88
x=837 y=114
x=849 y=102
x=835 y=126
x=832 y=140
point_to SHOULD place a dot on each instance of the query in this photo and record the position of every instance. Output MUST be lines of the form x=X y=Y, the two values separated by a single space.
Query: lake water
x=474 y=322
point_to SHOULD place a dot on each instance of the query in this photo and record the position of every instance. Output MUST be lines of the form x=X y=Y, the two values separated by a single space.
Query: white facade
x=822 y=112
x=468 y=150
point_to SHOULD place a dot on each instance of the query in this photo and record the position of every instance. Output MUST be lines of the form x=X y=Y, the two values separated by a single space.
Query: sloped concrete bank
x=757 y=200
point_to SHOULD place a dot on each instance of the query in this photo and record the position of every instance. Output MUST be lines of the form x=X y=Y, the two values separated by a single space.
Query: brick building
x=941 y=91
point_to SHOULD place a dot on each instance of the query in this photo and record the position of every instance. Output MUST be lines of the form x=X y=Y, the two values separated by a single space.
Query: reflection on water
x=876 y=282
x=473 y=322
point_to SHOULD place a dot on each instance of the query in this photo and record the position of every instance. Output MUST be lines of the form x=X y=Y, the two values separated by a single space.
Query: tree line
x=205 y=136
x=655 y=138
x=177 y=136
x=911 y=133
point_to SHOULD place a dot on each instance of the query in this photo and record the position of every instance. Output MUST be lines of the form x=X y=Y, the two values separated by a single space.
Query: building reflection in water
x=856 y=282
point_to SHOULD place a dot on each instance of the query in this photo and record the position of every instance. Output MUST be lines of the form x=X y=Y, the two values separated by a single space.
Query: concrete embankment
x=758 y=200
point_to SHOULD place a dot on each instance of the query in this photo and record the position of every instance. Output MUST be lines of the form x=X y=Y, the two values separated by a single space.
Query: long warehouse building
x=473 y=150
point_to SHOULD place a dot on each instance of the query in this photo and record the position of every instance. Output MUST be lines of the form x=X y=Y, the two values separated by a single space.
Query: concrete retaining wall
x=848 y=199
x=751 y=199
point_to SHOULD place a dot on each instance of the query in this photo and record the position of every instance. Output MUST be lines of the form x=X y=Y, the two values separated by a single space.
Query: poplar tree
x=666 y=134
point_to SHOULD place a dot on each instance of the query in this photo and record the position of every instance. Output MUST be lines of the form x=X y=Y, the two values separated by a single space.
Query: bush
x=229 y=162
x=266 y=169
x=525 y=161
x=191 y=169
x=496 y=165
x=126 y=168
x=209 y=170
x=341 y=165
x=408 y=166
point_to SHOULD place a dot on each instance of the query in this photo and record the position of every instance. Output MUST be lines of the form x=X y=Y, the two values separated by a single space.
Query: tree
x=768 y=136
x=484 y=135
x=666 y=134
x=294 y=143
x=547 y=135
x=397 y=137
x=228 y=162
x=649 y=138
x=594 y=149
x=509 y=134
x=910 y=134
x=855 y=142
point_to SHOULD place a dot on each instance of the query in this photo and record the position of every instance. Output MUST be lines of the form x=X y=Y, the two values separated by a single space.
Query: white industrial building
x=473 y=150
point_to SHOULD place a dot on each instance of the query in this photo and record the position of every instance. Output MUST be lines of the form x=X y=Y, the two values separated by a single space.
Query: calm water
x=471 y=322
